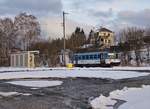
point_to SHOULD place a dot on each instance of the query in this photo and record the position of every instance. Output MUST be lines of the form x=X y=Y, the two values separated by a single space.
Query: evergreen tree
x=90 y=36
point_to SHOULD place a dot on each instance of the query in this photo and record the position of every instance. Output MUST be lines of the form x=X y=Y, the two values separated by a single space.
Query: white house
x=23 y=59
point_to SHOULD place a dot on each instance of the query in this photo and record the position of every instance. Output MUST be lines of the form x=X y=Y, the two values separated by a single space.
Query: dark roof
x=105 y=30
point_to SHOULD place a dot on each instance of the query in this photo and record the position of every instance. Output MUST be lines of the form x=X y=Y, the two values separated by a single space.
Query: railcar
x=95 y=59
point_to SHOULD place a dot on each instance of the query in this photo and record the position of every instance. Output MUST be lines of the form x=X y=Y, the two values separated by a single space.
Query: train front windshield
x=112 y=56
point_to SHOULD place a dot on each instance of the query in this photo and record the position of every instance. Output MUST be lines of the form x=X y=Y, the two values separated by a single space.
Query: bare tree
x=6 y=38
x=133 y=37
x=147 y=43
x=27 y=29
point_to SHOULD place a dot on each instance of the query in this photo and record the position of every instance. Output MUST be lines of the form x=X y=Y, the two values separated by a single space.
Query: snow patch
x=137 y=98
x=7 y=94
x=34 y=88
x=102 y=102
x=36 y=84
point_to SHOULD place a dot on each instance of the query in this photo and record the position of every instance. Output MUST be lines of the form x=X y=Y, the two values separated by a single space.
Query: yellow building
x=106 y=37
x=23 y=59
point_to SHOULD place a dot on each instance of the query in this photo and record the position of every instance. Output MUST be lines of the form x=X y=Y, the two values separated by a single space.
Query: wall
x=106 y=38
x=23 y=59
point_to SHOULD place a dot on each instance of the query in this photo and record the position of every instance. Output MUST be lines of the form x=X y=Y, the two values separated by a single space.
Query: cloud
x=83 y=13
x=52 y=27
x=140 y=18
x=101 y=14
x=48 y=12
x=33 y=6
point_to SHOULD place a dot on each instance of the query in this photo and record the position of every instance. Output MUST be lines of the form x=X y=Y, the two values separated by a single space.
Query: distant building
x=106 y=37
x=23 y=59
x=68 y=57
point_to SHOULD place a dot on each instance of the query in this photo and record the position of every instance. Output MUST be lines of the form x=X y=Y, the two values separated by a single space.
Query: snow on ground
x=102 y=102
x=13 y=69
x=136 y=98
x=131 y=68
x=7 y=94
x=36 y=84
x=65 y=73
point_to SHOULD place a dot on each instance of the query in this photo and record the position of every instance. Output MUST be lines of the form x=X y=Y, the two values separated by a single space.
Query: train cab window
x=117 y=56
x=105 y=55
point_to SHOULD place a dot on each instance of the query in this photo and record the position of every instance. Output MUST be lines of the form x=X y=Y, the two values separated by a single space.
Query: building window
x=109 y=41
x=102 y=40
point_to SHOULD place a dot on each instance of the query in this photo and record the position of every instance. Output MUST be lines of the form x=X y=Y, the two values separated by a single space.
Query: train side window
x=87 y=57
x=83 y=57
x=79 y=57
x=91 y=56
x=76 y=57
x=98 y=56
x=95 y=56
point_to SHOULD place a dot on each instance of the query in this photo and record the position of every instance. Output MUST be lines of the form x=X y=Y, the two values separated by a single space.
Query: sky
x=87 y=14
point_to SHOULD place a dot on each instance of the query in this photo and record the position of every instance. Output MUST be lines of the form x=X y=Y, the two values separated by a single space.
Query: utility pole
x=64 y=35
